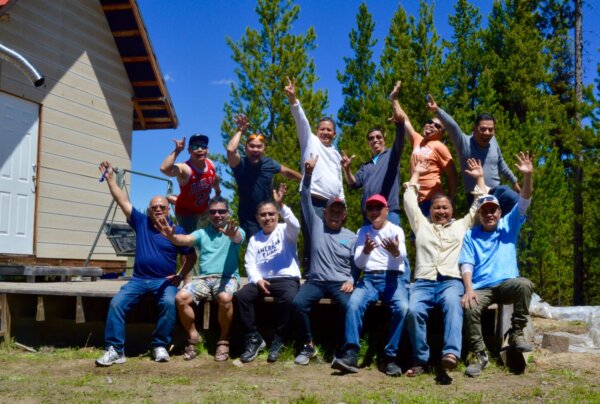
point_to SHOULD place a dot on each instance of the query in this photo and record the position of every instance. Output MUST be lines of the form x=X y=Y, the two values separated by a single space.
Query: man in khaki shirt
x=437 y=275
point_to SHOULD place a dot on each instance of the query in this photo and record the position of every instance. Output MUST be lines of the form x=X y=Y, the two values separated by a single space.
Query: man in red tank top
x=196 y=178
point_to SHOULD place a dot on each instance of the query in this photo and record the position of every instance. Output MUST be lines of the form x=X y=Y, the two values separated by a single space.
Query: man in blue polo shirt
x=154 y=273
x=488 y=262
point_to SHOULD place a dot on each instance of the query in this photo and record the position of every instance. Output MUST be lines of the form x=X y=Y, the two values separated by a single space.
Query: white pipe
x=22 y=64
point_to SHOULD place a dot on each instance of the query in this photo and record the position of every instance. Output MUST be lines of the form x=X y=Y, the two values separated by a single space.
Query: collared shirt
x=438 y=246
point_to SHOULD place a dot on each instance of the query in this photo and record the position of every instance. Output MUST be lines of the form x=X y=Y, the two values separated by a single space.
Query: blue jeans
x=128 y=296
x=394 y=218
x=388 y=287
x=310 y=293
x=424 y=296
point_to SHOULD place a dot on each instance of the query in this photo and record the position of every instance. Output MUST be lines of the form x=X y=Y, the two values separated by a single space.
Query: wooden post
x=40 y=313
x=4 y=317
x=79 y=314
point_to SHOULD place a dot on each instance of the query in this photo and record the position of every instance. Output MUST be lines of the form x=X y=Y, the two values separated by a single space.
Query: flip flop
x=415 y=371
x=449 y=361
x=222 y=353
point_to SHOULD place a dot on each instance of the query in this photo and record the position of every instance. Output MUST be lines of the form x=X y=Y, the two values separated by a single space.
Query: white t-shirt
x=274 y=255
x=380 y=259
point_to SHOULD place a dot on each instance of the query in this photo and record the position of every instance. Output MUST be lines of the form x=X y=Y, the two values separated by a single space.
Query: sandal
x=415 y=371
x=222 y=352
x=449 y=361
x=189 y=352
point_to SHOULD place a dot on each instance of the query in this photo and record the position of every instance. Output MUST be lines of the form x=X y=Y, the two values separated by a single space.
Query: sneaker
x=517 y=340
x=306 y=354
x=160 y=354
x=478 y=363
x=275 y=350
x=254 y=344
x=111 y=357
x=390 y=367
x=347 y=363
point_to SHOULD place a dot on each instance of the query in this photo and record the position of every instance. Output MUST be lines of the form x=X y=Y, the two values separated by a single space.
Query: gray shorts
x=203 y=287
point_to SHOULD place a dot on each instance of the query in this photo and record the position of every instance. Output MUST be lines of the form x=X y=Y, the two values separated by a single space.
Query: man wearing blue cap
x=488 y=263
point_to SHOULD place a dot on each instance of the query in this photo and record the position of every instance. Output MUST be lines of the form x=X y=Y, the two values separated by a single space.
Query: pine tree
x=265 y=57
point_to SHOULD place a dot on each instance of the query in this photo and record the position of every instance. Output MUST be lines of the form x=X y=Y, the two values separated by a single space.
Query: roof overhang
x=152 y=104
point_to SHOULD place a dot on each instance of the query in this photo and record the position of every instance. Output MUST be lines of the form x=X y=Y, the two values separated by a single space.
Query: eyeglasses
x=196 y=146
x=374 y=208
x=265 y=214
x=158 y=207
x=219 y=211
x=434 y=123
x=256 y=136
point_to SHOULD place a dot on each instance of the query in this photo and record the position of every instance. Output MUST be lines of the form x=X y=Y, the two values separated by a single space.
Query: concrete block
x=555 y=342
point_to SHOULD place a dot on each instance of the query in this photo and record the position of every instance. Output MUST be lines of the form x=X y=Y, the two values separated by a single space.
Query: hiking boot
x=389 y=366
x=478 y=363
x=517 y=340
x=275 y=350
x=160 y=354
x=347 y=363
x=254 y=344
x=110 y=357
x=306 y=354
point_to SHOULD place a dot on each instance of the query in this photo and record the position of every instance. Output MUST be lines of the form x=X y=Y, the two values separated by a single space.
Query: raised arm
x=168 y=166
x=292 y=223
x=302 y=124
x=117 y=193
x=410 y=200
x=346 y=162
x=399 y=116
x=291 y=174
x=455 y=134
x=525 y=166
x=233 y=157
x=168 y=230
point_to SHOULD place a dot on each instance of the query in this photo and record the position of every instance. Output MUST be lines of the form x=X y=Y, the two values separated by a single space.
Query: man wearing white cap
x=488 y=263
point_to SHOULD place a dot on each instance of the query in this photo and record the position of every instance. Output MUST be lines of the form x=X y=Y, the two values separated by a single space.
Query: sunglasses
x=434 y=123
x=374 y=137
x=265 y=214
x=374 y=208
x=256 y=136
x=219 y=211
x=196 y=146
x=158 y=207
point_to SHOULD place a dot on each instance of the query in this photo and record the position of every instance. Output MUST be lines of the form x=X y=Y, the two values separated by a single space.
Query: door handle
x=34 y=178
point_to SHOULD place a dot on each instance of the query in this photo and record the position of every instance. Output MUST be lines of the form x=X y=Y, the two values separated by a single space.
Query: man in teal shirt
x=219 y=245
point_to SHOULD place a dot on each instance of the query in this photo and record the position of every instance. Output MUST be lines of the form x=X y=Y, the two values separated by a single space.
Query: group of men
x=353 y=269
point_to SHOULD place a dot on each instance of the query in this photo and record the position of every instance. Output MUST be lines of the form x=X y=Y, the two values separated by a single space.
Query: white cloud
x=222 y=82
x=168 y=77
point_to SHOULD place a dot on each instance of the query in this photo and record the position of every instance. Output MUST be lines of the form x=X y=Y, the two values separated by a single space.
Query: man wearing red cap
x=380 y=252
x=488 y=262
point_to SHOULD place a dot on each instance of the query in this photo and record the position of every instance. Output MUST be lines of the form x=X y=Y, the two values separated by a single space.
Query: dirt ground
x=70 y=376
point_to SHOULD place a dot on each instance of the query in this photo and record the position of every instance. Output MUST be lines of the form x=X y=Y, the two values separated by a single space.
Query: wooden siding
x=86 y=117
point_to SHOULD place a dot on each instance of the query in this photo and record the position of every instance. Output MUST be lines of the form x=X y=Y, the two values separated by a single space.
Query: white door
x=19 y=121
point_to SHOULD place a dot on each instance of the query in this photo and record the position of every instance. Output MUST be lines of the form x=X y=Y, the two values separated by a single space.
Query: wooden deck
x=100 y=288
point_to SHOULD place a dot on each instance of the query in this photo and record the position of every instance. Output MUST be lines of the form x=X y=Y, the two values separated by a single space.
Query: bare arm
x=116 y=192
x=233 y=157
x=346 y=161
x=168 y=166
x=399 y=115
x=187 y=263
x=168 y=230
x=525 y=166
x=291 y=174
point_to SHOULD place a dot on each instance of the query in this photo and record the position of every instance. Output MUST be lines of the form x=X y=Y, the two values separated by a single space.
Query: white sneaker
x=111 y=357
x=160 y=354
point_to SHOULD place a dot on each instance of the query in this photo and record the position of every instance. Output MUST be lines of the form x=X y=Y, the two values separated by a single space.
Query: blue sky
x=188 y=37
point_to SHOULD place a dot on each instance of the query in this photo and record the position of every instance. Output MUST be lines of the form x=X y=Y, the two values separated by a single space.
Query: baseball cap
x=376 y=199
x=198 y=138
x=487 y=200
x=333 y=201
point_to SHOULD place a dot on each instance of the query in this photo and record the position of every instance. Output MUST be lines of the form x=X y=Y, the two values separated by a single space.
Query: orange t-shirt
x=439 y=157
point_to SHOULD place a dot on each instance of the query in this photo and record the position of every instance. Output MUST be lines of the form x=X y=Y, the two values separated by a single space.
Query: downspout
x=22 y=64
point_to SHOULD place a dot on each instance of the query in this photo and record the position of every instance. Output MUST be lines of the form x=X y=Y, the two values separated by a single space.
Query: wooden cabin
x=101 y=82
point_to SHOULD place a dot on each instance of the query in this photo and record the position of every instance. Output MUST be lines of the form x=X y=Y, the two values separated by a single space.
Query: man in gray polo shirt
x=481 y=145
x=330 y=267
